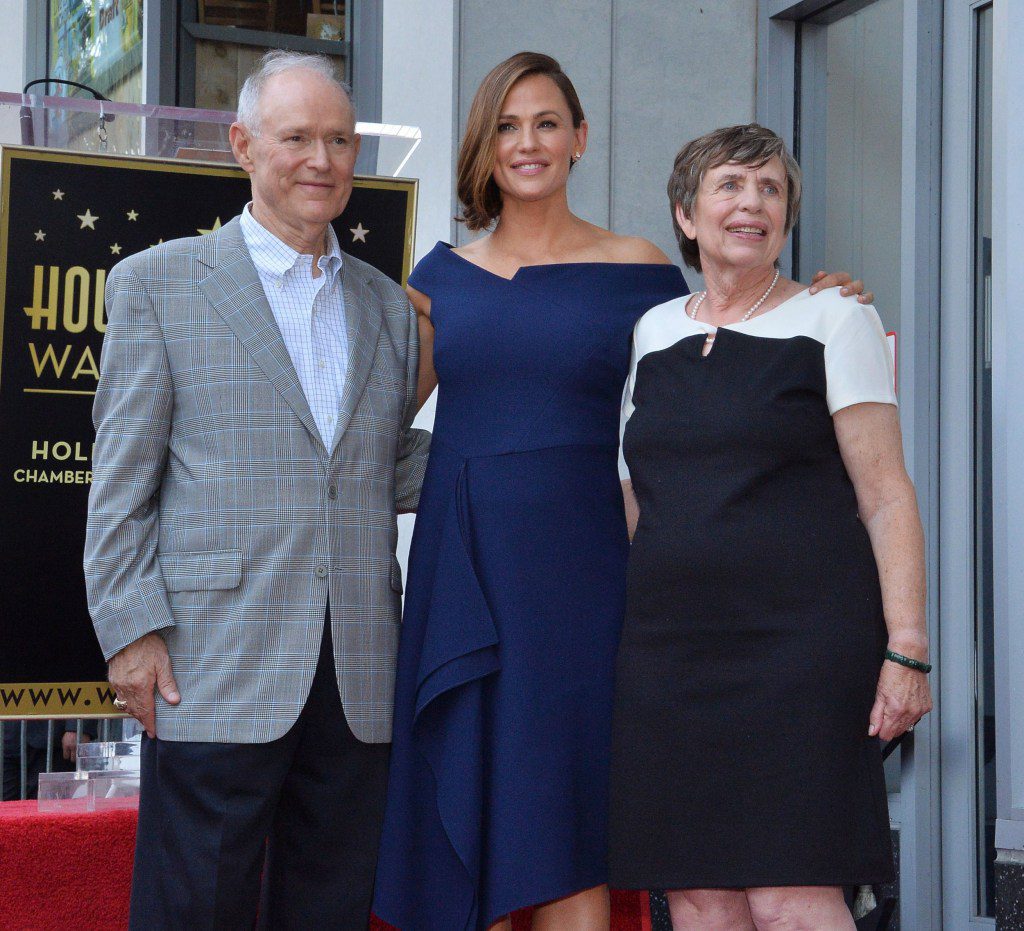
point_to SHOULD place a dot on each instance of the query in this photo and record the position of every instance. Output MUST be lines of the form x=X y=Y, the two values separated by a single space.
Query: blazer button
x=321 y=572
x=332 y=492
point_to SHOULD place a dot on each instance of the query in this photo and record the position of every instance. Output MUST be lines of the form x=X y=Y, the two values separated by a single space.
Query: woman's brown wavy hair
x=478 y=194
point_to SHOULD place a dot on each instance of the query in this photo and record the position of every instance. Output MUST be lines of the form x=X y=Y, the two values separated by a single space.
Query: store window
x=316 y=19
x=94 y=47
x=222 y=41
x=97 y=43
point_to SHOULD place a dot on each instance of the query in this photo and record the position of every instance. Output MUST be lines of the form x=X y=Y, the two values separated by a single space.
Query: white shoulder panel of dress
x=858 y=361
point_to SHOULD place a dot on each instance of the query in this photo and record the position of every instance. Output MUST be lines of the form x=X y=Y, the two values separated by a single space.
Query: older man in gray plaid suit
x=253 y=445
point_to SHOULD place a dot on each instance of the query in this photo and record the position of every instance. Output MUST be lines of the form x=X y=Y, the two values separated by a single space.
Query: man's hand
x=135 y=670
x=69 y=744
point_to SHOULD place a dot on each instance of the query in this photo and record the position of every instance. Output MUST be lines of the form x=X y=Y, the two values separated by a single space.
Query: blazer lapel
x=363 y=317
x=234 y=288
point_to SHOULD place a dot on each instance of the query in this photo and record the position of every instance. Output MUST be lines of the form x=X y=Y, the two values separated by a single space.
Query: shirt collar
x=274 y=257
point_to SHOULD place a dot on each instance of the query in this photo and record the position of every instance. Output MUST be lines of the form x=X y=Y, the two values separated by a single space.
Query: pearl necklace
x=746 y=316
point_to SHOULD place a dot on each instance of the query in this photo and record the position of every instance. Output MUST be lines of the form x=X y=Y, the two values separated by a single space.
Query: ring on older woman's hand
x=120 y=704
x=910 y=727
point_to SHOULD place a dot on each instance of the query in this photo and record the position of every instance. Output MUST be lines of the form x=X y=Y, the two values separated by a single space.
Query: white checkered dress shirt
x=310 y=313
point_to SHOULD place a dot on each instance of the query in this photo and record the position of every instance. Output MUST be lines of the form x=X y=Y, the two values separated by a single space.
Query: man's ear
x=241 y=140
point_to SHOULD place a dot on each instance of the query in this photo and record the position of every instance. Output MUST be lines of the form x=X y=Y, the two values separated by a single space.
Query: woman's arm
x=427 y=381
x=872 y=450
x=632 y=507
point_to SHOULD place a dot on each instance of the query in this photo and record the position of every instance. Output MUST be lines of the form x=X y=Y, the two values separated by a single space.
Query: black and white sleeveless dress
x=754 y=632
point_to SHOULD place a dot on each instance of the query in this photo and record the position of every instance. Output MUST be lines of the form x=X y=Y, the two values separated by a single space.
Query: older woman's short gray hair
x=749 y=144
x=278 y=61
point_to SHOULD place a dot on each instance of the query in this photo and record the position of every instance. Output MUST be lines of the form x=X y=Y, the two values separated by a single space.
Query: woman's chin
x=743 y=259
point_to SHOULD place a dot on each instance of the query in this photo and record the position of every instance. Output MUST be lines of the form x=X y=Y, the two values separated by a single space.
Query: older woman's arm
x=872 y=450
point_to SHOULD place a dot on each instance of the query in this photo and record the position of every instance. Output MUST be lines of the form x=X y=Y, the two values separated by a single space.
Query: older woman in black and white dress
x=775 y=628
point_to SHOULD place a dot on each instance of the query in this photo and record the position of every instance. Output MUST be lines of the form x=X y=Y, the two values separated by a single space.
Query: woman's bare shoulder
x=629 y=249
x=475 y=249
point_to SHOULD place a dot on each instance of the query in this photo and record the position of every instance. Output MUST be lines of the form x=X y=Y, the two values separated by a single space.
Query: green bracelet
x=908 y=662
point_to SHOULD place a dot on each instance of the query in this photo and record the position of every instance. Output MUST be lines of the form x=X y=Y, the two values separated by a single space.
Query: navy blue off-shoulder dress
x=515 y=598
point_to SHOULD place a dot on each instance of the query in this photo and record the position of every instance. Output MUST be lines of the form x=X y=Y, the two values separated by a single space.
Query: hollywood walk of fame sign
x=65 y=220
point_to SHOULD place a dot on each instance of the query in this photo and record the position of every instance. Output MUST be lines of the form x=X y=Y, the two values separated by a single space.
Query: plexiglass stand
x=106 y=128
x=107 y=777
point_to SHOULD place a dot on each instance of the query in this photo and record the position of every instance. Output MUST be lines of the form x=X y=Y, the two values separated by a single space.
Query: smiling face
x=739 y=216
x=302 y=161
x=536 y=140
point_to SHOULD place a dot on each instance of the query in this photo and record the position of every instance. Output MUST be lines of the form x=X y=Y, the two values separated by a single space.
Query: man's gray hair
x=278 y=61
x=749 y=144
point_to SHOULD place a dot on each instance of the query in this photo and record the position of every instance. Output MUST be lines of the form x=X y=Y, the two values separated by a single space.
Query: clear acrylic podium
x=107 y=128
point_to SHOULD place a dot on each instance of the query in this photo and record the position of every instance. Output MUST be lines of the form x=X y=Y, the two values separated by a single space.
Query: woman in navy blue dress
x=499 y=770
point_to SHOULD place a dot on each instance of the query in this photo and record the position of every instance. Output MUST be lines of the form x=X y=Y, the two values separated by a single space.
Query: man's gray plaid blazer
x=216 y=515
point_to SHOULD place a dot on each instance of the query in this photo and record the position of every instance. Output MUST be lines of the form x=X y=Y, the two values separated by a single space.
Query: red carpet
x=74 y=871
x=629 y=913
x=64 y=871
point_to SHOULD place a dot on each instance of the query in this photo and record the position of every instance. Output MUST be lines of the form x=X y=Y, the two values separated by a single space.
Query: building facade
x=908 y=119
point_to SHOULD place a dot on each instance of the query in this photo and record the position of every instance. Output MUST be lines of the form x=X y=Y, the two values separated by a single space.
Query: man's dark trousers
x=304 y=810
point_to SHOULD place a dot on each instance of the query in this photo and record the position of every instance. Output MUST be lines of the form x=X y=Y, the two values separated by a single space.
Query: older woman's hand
x=902 y=698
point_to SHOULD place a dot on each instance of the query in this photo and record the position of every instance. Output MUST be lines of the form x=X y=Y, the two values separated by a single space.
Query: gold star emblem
x=58 y=194
x=115 y=249
x=133 y=215
x=40 y=235
x=87 y=219
x=212 y=229
x=359 y=234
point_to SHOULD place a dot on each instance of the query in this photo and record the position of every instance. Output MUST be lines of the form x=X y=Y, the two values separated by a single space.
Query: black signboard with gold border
x=65 y=220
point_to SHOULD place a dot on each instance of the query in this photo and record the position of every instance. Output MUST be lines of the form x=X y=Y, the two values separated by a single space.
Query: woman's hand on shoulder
x=841 y=280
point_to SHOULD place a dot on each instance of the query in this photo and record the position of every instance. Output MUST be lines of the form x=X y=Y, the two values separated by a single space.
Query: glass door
x=967 y=593
x=850 y=146
x=984 y=633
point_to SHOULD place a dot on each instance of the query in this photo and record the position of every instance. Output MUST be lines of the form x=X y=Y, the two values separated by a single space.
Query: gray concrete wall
x=651 y=74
